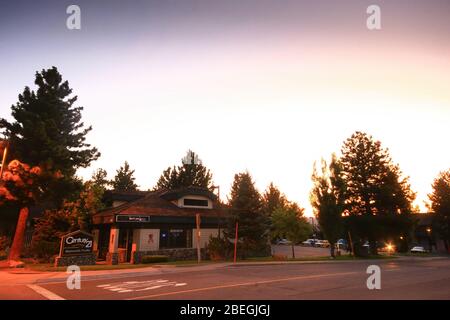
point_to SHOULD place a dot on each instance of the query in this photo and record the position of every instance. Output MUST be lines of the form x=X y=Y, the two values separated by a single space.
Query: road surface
x=419 y=278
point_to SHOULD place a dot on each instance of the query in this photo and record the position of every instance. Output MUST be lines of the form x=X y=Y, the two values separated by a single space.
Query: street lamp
x=429 y=239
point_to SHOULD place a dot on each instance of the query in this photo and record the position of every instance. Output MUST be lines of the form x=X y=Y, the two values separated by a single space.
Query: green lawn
x=47 y=267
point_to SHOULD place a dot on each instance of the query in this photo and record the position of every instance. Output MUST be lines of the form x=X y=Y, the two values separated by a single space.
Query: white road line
x=44 y=292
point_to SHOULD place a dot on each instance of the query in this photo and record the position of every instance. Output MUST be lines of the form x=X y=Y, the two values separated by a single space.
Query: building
x=425 y=236
x=156 y=223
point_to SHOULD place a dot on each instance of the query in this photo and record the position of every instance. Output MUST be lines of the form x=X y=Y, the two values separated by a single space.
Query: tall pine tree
x=247 y=209
x=378 y=198
x=124 y=179
x=191 y=173
x=47 y=131
x=273 y=199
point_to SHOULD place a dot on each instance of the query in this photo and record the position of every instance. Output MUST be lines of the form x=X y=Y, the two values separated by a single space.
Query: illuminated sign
x=130 y=218
x=76 y=243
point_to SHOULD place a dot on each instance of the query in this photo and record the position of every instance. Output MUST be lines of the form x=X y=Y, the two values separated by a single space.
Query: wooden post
x=197 y=221
x=236 y=241
x=351 y=243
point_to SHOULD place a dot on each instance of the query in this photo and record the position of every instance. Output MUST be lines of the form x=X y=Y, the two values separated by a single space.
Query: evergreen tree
x=440 y=204
x=48 y=132
x=100 y=179
x=272 y=199
x=246 y=209
x=124 y=179
x=327 y=200
x=375 y=190
x=191 y=173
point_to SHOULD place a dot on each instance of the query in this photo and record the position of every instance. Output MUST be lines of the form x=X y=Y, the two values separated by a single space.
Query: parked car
x=418 y=249
x=309 y=242
x=284 y=242
x=322 y=243
x=341 y=244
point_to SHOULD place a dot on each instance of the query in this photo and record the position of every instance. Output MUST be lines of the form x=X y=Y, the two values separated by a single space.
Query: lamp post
x=429 y=239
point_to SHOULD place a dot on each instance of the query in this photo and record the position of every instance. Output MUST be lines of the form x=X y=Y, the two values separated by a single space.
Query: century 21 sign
x=76 y=243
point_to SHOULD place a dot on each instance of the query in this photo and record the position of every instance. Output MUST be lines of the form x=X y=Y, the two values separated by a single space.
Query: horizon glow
x=254 y=85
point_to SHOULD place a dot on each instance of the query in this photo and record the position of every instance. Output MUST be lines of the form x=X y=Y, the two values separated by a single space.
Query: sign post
x=197 y=222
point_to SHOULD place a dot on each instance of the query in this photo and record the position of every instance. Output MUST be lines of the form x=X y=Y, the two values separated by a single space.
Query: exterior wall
x=172 y=254
x=148 y=240
x=181 y=202
x=204 y=236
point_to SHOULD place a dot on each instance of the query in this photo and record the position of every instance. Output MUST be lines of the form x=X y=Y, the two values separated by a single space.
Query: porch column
x=112 y=256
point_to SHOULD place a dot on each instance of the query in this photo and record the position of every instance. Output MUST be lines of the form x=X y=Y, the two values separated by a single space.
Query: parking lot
x=300 y=251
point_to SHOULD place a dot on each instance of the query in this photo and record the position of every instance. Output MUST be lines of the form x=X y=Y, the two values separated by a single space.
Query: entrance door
x=103 y=241
x=125 y=244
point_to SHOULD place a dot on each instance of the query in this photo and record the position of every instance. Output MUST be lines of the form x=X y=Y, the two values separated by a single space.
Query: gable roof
x=159 y=203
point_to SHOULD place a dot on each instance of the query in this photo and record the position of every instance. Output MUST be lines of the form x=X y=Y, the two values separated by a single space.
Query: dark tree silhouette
x=327 y=200
x=124 y=179
x=375 y=187
x=440 y=204
x=47 y=131
x=246 y=209
x=191 y=173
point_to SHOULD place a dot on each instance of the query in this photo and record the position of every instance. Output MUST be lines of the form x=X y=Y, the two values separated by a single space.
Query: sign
x=128 y=218
x=76 y=243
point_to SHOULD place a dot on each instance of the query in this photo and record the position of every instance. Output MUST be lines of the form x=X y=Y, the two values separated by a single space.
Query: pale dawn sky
x=264 y=86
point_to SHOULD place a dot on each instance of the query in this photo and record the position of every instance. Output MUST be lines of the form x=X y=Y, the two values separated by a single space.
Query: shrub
x=5 y=243
x=218 y=248
x=154 y=259
x=3 y=255
x=44 y=251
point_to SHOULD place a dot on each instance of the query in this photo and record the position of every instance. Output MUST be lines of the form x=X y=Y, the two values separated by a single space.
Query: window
x=175 y=238
x=195 y=202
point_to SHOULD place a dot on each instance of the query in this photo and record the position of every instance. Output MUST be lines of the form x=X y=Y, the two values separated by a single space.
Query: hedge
x=153 y=259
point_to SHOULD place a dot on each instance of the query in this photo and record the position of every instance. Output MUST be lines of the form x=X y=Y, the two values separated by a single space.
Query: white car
x=309 y=242
x=322 y=243
x=419 y=249
x=284 y=241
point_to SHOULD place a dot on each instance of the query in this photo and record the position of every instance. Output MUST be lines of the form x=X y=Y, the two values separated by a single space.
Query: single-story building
x=156 y=223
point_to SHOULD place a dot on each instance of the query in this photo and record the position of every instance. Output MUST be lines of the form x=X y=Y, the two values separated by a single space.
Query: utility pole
x=351 y=243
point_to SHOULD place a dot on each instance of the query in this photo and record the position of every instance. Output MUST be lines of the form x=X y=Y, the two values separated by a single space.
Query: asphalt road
x=406 y=279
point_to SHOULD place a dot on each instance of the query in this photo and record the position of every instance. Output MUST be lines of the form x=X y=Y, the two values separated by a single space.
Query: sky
x=267 y=86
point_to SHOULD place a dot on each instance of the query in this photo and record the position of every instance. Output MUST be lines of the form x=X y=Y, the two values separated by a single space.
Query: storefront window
x=175 y=238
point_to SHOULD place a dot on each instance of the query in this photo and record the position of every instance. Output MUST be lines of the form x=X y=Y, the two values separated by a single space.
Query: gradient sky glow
x=268 y=86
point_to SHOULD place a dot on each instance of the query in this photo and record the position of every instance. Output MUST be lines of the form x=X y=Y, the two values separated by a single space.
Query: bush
x=3 y=255
x=154 y=259
x=45 y=251
x=5 y=243
x=218 y=248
